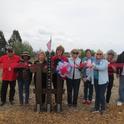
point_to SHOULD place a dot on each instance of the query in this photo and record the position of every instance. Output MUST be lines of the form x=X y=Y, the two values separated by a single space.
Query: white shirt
x=74 y=72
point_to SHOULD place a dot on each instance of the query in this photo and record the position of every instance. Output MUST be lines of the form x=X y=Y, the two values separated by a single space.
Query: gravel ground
x=16 y=114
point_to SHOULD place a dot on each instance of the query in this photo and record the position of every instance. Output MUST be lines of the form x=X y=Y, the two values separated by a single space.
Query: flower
x=63 y=69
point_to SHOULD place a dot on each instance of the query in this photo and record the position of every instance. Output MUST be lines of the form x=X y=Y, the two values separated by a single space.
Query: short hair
x=60 y=47
x=74 y=50
x=88 y=50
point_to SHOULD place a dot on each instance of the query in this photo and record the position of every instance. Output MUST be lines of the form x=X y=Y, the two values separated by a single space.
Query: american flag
x=49 y=45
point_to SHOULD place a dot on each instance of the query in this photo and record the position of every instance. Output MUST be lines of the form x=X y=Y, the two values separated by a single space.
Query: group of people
x=96 y=71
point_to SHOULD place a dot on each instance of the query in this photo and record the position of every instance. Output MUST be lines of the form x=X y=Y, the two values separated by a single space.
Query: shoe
x=69 y=105
x=2 y=104
x=84 y=101
x=94 y=110
x=26 y=103
x=102 y=112
x=119 y=103
x=11 y=102
x=21 y=103
x=74 y=105
x=88 y=102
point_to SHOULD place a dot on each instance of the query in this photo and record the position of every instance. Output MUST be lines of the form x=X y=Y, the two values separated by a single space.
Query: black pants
x=88 y=90
x=100 y=95
x=44 y=86
x=72 y=91
x=109 y=88
x=4 y=90
x=58 y=86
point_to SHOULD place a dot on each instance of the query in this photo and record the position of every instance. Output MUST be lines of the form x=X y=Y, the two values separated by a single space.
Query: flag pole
x=49 y=76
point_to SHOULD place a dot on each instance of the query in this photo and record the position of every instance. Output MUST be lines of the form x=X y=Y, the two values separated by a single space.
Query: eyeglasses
x=76 y=53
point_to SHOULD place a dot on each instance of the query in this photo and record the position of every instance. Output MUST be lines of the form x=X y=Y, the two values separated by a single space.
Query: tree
x=52 y=53
x=20 y=47
x=81 y=53
x=15 y=37
x=3 y=43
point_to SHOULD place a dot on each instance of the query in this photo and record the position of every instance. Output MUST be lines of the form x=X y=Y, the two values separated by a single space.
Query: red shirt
x=111 y=70
x=8 y=64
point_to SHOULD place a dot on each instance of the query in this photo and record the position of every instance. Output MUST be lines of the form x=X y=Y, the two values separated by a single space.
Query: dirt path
x=16 y=114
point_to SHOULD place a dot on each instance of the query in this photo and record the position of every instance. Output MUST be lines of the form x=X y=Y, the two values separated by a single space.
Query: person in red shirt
x=55 y=60
x=8 y=62
x=111 y=55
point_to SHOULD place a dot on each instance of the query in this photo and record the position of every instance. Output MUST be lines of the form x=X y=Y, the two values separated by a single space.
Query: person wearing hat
x=111 y=56
x=100 y=80
x=8 y=62
x=24 y=77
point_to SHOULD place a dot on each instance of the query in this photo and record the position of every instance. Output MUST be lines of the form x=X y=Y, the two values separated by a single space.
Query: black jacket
x=120 y=59
x=24 y=73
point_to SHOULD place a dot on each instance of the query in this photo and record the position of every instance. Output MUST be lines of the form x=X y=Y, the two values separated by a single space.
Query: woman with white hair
x=100 y=75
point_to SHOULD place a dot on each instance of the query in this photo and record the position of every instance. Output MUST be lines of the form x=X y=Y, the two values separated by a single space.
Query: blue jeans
x=88 y=90
x=100 y=95
x=121 y=88
x=23 y=86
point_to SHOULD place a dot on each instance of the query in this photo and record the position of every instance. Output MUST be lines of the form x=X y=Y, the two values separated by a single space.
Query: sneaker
x=84 y=101
x=94 y=110
x=119 y=103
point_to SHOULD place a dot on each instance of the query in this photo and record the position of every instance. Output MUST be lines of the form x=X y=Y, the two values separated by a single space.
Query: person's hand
x=114 y=69
x=84 y=79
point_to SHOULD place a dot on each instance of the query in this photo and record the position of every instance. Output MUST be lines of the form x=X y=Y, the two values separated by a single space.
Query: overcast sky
x=95 y=24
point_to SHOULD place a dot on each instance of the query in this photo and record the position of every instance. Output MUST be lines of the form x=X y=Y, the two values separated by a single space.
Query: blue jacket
x=102 y=71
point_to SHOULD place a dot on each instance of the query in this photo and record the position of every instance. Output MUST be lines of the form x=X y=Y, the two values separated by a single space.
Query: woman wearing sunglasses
x=100 y=75
x=73 y=79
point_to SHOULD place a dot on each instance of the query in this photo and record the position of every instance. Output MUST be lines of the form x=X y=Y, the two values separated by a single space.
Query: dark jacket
x=24 y=73
x=120 y=59
x=44 y=73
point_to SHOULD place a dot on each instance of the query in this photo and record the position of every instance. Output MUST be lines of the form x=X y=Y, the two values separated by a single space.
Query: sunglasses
x=10 y=51
x=76 y=53
x=99 y=54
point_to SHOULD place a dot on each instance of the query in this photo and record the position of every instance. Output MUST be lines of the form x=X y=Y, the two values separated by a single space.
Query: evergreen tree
x=3 y=43
x=15 y=37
